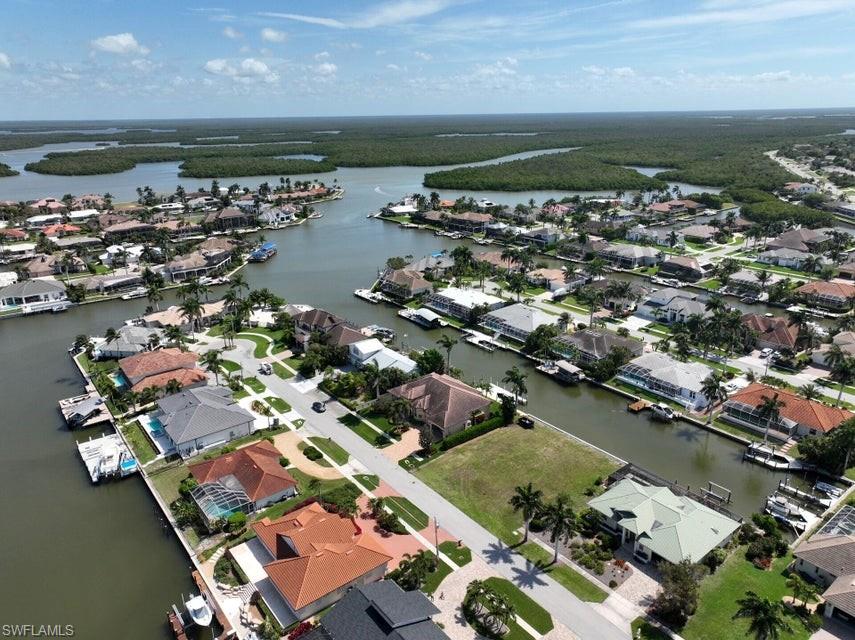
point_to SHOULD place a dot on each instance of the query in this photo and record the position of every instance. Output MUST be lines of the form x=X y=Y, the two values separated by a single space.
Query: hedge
x=471 y=433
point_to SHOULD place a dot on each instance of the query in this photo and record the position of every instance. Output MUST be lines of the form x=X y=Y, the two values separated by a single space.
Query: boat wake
x=377 y=189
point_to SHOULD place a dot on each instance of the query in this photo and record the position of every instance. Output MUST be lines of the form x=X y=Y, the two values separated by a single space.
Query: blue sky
x=170 y=58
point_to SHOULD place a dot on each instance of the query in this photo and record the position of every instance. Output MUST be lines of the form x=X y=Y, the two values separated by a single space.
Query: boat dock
x=766 y=456
x=84 y=411
x=424 y=317
x=822 y=501
x=107 y=457
x=562 y=370
x=481 y=340
x=369 y=296
x=638 y=406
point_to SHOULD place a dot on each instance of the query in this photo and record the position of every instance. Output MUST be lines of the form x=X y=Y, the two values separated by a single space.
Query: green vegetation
x=143 y=449
x=352 y=422
x=474 y=475
x=331 y=449
x=461 y=556
x=278 y=404
x=235 y=167
x=434 y=578
x=230 y=366
x=646 y=631
x=282 y=372
x=567 y=577
x=255 y=384
x=408 y=512
x=368 y=480
x=6 y=171
x=167 y=481
x=526 y=608
x=304 y=482
x=261 y=344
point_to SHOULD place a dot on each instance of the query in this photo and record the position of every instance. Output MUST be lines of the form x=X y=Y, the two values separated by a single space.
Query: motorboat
x=133 y=294
x=368 y=295
x=200 y=611
x=787 y=511
x=663 y=412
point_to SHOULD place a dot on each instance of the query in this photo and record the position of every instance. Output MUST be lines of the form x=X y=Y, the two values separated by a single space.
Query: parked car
x=265 y=369
x=765 y=353
x=319 y=407
x=525 y=422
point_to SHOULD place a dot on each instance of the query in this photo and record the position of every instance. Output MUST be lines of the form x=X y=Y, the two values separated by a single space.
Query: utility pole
x=436 y=542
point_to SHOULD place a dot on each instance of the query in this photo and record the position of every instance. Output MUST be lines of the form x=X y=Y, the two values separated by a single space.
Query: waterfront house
x=314 y=557
x=113 y=284
x=130 y=340
x=231 y=218
x=556 y=280
x=516 y=321
x=828 y=559
x=801 y=188
x=179 y=228
x=123 y=230
x=677 y=207
x=746 y=280
x=680 y=382
x=404 y=284
x=659 y=524
x=201 y=418
x=627 y=305
x=202 y=202
x=48 y=206
x=542 y=237
x=197 y=264
x=87 y=243
x=468 y=222
x=320 y=322
x=835 y=296
x=371 y=351
x=110 y=218
x=460 y=303
x=783 y=257
x=655 y=235
x=379 y=611
x=797 y=417
x=437 y=266
x=156 y=369
x=702 y=233
x=685 y=268
x=34 y=295
x=173 y=317
x=803 y=239
x=88 y=201
x=43 y=220
x=519 y=215
x=845 y=340
x=443 y=404
x=49 y=265
x=630 y=256
x=771 y=333
x=245 y=481
x=277 y=216
x=592 y=345
x=670 y=305
x=494 y=259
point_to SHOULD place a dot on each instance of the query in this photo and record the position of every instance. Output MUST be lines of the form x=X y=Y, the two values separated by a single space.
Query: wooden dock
x=638 y=406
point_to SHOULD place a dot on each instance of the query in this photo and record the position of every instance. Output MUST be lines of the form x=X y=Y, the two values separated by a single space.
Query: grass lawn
x=352 y=422
x=281 y=371
x=230 y=366
x=261 y=345
x=255 y=384
x=567 y=577
x=646 y=631
x=278 y=404
x=720 y=591
x=241 y=393
x=712 y=285
x=368 y=481
x=461 y=556
x=167 y=481
x=435 y=578
x=333 y=450
x=526 y=608
x=143 y=449
x=378 y=420
x=303 y=479
x=408 y=512
x=474 y=475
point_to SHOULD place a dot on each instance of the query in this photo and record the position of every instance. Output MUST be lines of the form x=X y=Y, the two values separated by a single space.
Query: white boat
x=368 y=295
x=133 y=294
x=481 y=341
x=663 y=411
x=424 y=317
x=199 y=610
x=107 y=457
x=784 y=510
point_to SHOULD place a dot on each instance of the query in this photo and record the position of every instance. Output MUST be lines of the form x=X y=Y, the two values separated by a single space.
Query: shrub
x=223 y=572
x=312 y=453
x=237 y=521
x=343 y=498
x=390 y=522
x=187 y=485
x=470 y=433
x=283 y=461
x=715 y=558
x=612 y=584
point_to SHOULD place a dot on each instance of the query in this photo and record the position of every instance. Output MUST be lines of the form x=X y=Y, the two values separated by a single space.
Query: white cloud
x=383 y=15
x=750 y=12
x=616 y=72
x=121 y=44
x=594 y=70
x=503 y=67
x=421 y=55
x=247 y=71
x=231 y=33
x=272 y=35
x=144 y=65
x=323 y=55
x=326 y=69
x=5 y=63
x=393 y=67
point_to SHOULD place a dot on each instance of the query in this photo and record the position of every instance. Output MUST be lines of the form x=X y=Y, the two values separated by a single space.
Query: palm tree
x=714 y=391
x=447 y=343
x=767 y=618
x=154 y=295
x=802 y=590
x=763 y=278
x=842 y=372
x=560 y=521
x=595 y=268
x=619 y=291
x=213 y=363
x=528 y=500
x=516 y=379
x=810 y=391
x=191 y=310
x=173 y=386
x=175 y=336
x=509 y=254
x=399 y=411
x=564 y=321
x=516 y=284
x=110 y=334
x=238 y=282
x=770 y=411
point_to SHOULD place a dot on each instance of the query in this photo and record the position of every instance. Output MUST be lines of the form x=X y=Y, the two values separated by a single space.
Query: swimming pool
x=156 y=433
x=118 y=379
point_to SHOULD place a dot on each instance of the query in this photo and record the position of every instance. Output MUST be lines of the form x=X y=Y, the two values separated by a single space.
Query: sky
x=99 y=59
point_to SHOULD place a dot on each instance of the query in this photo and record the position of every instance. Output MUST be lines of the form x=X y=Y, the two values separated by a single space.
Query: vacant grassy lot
x=720 y=591
x=566 y=576
x=168 y=480
x=479 y=477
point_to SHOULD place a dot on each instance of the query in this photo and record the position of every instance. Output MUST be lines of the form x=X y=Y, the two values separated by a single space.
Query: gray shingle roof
x=598 y=344
x=195 y=413
x=834 y=554
x=31 y=288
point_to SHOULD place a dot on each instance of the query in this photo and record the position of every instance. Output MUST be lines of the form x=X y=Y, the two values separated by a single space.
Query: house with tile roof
x=798 y=417
x=702 y=233
x=230 y=218
x=173 y=317
x=156 y=368
x=630 y=256
x=130 y=340
x=659 y=524
x=443 y=404
x=835 y=296
x=829 y=560
x=592 y=345
x=34 y=294
x=845 y=340
x=516 y=321
x=685 y=268
x=784 y=257
x=746 y=280
x=201 y=418
x=680 y=382
x=316 y=556
x=244 y=480
x=771 y=333
x=404 y=284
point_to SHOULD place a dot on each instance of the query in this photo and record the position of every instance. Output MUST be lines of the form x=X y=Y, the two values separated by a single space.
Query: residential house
x=685 y=268
x=437 y=266
x=110 y=218
x=680 y=382
x=802 y=239
x=44 y=220
x=88 y=201
x=747 y=280
x=702 y=233
x=677 y=207
x=379 y=611
x=60 y=230
x=173 y=316
x=443 y=404
x=522 y=215
x=627 y=305
x=128 y=229
x=516 y=321
x=313 y=321
x=542 y=237
x=48 y=206
x=835 y=296
x=34 y=295
x=845 y=340
x=72 y=243
x=659 y=524
x=630 y=256
x=460 y=303
x=371 y=351
x=244 y=480
x=656 y=235
x=202 y=202
x=113 y=283
x=404 y=284
x=468 y=222
x=13 y=234
x=202 y=418
x=231 y=218
x=846 y=270
x=772 y=333
x=44 y=265
x=196 y=264
x=556 y=280
x=670 y=305
x=316 y=556
x=180 y=228
x=582 y=250
x=558 y=210
x=592 y=345
x=130 y=340
x=801 y=188
x=278 y=216
x=156 y=369
x=494 y=259
x=788 y=258
x=797 y=417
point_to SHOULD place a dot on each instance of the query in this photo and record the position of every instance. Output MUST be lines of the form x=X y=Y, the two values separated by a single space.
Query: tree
x=412 y=571
x=770 y=411
x=539 y=342
x=191 y=310
x=175 y=336
x=238 y=283
x=517 y=284
x=810 y=391
x=430 y=361
x=560 y=520
x=564 y=321
x=594 y=298
x=516 y=379
x=213 y=363
x=399 y=411
x=766 y=617
x=595 y=268
x=447 y=343
x=172 y=386
x=678 y=598
x=529 y=501
x=842 y=371
x=508 y=409
x=714 y=391
x=802 y=590
x=831 y=451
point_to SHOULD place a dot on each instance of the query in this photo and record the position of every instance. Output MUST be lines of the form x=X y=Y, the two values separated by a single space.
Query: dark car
x=320 y=407
x=525 y=422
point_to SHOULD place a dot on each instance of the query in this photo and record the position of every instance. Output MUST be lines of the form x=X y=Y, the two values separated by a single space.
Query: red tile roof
x=185 y=377
x=149 y=363
x=56 y=229
x=441 y=399
x=331 y=552
x=809 y=413
x=256 y=467
x=823 y=288
x=776 y=331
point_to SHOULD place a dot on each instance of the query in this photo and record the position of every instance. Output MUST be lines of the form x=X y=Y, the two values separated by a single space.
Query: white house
x=459 y=303
x=517 y=321
x=31 y=296
x=276 y=216
x=83 y=215
x=802 y=188
x=680 y=382
x=44 y=220
x=372 y=351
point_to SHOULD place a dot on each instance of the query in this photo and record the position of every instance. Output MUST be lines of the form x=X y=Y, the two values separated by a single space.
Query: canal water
x=97 y=557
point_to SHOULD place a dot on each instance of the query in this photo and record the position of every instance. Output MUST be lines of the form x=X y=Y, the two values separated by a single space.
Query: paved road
x=578 y=616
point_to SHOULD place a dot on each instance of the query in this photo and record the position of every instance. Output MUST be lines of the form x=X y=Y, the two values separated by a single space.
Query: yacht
x=663 y=411
x=139 y=292
x=199 y=610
